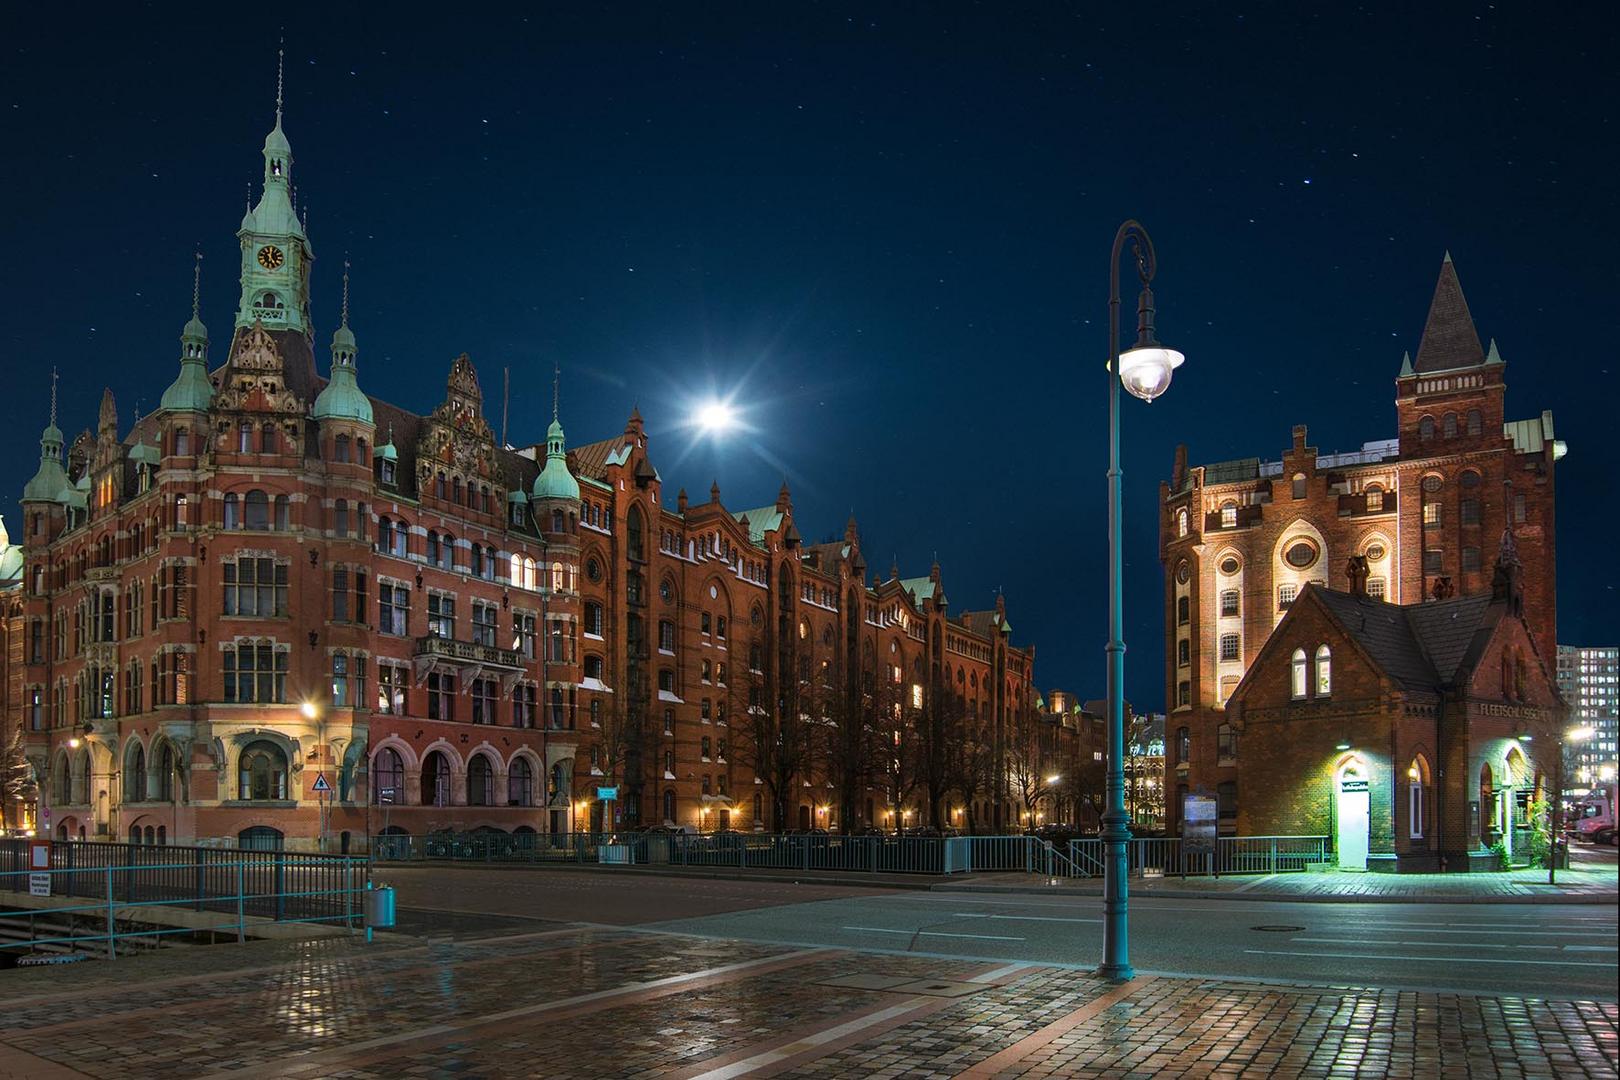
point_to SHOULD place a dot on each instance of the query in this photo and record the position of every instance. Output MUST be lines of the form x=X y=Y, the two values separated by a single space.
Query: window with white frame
x=1297 y=684
x=255 y=671
x=255 y=587
x=1231 y=647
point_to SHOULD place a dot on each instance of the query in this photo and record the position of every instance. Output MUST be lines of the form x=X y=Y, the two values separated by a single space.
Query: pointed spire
x=50 y=481
x=1406 y=364
x=196 y=287
x=1492 y=357
x=345 y=288
x=714 y=492
x=281 y=58
x=556 y=481
x=784 y=498
x=107 y=419
x=53 y=396
x=342 y=398
x=1449 y=338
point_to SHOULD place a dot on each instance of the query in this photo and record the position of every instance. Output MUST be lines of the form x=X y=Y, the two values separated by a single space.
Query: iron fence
x=1232 y=855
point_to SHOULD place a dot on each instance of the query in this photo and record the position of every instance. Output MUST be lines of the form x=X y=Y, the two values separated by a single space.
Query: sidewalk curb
x=1290 y=898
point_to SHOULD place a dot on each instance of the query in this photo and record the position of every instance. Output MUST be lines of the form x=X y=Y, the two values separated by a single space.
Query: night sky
x=884 y=227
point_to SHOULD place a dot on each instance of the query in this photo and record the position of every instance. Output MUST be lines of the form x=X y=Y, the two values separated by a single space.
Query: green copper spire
x=276 y=255
x=50 y=482
x=191 y=391
x=342 y=399
x=555 y=481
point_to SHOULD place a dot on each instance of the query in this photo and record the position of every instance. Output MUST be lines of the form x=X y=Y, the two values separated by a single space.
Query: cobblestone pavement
x=571 y=1001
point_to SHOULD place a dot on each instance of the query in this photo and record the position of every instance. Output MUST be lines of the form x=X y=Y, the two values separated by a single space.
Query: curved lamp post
x=1145 y=370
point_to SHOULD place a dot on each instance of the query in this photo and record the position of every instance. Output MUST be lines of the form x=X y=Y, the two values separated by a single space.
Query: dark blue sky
x=887 y=224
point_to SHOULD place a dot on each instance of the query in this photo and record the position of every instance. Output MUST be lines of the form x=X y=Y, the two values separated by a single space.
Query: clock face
x=270 y=257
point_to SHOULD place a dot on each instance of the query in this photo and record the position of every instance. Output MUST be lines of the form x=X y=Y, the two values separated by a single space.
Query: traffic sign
x=321 y=785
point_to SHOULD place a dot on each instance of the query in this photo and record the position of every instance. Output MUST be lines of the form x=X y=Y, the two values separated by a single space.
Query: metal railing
x=886 y=853
x=112 y=879
x=1232 y=855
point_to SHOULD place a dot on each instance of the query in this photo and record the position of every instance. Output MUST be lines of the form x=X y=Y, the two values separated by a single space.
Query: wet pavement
x=525 y=998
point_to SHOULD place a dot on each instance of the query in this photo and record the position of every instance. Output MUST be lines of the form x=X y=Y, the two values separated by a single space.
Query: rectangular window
x=1226 y=743
x=1468 y=512
x=1226 y=804
x=1183 y=745
x=1416 y=809
x=523 y=702
x=523 y=633
x=391 y=682
x=1228 y=517
x=1431 y=513
x=1184 y=693
x=340 y=681
x=441 y=688
x=484 y=623
x=1231 y=647
x=1286 y=594
x=666 y=635
x=393 y=609
x=593 y=619
x=442 y=616
x=255 y=672
x=1470 y=558
x=1434 y=561
x=255 y=587
x=1229 y=602
x=485 y=692
x=1376 y=588
x=340 y=594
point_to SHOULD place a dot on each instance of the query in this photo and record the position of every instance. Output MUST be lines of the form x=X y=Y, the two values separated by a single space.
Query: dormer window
x=387 y=471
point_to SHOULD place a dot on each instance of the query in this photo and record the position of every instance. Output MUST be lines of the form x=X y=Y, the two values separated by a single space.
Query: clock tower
x=276 y=256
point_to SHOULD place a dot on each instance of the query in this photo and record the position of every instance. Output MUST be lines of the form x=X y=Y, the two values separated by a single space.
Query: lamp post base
x=1116 y=972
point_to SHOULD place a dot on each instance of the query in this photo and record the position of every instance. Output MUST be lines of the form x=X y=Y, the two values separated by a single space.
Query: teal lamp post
x=1144 y=370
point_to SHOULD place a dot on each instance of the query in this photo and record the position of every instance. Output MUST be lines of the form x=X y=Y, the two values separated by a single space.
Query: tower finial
x=556 y=384
x=53 y=397
x=196 y=287
x=345 y=288
x=281 y=58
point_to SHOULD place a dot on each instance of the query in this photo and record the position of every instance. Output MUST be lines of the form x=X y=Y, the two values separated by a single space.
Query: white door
x=1354 y=803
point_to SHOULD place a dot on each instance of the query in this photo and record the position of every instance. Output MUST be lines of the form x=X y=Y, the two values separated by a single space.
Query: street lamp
x=1144 y=370
x=1573 y=735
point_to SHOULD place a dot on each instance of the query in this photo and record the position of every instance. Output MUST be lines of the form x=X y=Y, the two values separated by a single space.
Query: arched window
x=233 y=511
x=244 y=437
x=1417 y=781
x=388 y=778
x=557 y=521
x=165 y=774
x=1375 y=497
x=1476 y=422
x=135 y=774
x=447 y=552
x=520 y=783
x=340 y=449
x=1426 y=428
x=1448 y=425
x=669 y=805
x=1324 y=671
x=435 y=780
x=480 y=782
x=1230 y=600
x=438 y=485
x=634 y=534
x=282 y=508
x=262 y=772
x=1299 y=485
x=1181 y=522
x=340 y=517
x=256 y=510
x=1298 y=683
x=455 y=490
x=1229 y=515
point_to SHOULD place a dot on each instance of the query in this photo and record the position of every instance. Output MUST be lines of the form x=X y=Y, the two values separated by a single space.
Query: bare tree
x=18 y=788
x=1026 y=761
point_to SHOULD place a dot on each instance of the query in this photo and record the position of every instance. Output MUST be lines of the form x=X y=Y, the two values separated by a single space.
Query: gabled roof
x=1449 y=338
x=1420 y=646
x=592 y=459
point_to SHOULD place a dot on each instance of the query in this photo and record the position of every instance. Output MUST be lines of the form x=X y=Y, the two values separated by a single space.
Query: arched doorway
x=1354 y=805
x=260 y=838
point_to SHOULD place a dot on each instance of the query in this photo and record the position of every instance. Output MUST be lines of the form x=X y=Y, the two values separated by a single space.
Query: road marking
x=1425 y=959
x=809 y=1042
x=1592 y=948
x=1493 y=933
x=930 y=933
x=1421 y=944
x=1024 y=918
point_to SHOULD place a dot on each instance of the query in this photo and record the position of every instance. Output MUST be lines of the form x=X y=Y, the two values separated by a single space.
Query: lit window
x=1298 y=683
x=1229 y=516
x=1324 y=671
x=1286 y=594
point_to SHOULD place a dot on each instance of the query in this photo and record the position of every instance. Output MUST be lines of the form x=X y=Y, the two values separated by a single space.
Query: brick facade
x=1240 y=539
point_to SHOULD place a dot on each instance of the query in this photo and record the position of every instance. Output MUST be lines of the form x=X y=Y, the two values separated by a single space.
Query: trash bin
x=380 y=908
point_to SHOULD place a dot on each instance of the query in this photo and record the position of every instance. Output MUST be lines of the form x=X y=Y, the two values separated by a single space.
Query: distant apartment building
x=1589 y=679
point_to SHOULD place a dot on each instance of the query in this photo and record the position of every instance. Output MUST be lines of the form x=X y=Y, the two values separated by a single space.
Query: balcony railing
x=467 y=652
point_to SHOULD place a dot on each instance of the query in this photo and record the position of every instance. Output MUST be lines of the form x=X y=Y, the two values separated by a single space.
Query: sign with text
x=1198 y=825
x=39 y=884
x=607 y=793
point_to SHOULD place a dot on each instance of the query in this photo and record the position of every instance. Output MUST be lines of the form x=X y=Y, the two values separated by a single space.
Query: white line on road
x=1024 y=918
x=1425 y=959
x=1492 y=933
x=930 y=933
x=1421 y=944
x=1592 y=948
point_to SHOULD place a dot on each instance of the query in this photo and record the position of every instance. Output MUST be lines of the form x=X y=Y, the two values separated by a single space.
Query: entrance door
x=1354 y=804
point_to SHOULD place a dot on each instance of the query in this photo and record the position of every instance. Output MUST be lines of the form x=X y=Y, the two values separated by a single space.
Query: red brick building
x=1241 y=539
x=281 y=611
x=1416 y=736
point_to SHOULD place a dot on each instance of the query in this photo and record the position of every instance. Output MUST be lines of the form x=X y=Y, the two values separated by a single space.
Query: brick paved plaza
x=524 y=998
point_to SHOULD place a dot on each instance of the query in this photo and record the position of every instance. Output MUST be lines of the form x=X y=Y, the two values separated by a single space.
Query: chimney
x=1299 y=438
x=1178 y=474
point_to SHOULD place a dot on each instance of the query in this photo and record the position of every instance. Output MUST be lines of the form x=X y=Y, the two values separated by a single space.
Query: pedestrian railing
x=1231 y=855
x=876 y=853
x=104 y=884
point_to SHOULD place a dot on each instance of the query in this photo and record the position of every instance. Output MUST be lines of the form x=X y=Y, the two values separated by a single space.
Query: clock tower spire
x=276 y=254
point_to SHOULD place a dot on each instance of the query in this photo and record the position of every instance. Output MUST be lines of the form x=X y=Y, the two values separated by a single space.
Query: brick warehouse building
x=1415 y=735
x=276 y=583
x=1240 y=539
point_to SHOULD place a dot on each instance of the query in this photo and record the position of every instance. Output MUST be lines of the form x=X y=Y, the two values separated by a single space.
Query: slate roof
x=1449 y=338
x=1420 y=646
x=592 y=459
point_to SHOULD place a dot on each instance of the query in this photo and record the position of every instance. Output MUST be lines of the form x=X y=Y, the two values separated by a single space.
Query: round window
x=1183 y=572
x=1375 y=552
x=894 y=646
x=593 y=570
x=1230 y=565
x=756 y=617
x=1300 y=554
x=666 y=591
x=1431 y=484
x=714 y=593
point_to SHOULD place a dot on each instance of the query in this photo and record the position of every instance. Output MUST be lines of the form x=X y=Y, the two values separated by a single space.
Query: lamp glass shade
x=1145 y=372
